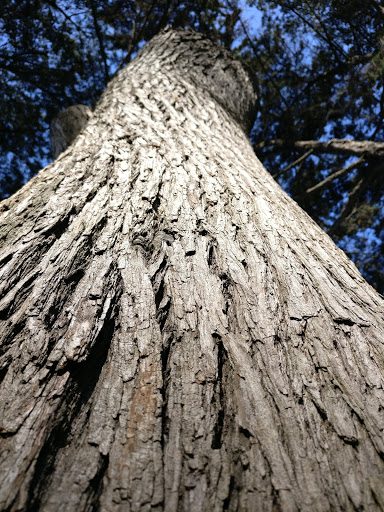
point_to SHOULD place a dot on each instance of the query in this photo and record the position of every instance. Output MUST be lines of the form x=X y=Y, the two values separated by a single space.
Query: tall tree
x=177 y=333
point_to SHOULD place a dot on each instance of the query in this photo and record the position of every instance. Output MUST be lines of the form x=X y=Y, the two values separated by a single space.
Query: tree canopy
x=319 y=68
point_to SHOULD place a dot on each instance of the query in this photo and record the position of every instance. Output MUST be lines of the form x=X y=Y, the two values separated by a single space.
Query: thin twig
x=293 y=164
x=66 y=16
x=335 y=175
x=100 y=39
x=326 y=35
x=304 y=20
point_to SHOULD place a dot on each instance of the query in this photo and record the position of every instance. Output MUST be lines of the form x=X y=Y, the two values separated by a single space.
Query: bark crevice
x=218 y=398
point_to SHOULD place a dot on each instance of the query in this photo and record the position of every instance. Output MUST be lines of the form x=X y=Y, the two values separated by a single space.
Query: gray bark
x=177 y=334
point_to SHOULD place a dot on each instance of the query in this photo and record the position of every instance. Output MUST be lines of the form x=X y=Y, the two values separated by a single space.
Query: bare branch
x=293 y=164
x=334 y=146
x=335 y=175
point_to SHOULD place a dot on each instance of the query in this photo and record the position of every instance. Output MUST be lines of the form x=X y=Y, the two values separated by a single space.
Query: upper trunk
x=177 y=333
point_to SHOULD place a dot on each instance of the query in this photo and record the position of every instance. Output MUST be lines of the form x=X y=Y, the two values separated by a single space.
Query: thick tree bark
x=177 y=334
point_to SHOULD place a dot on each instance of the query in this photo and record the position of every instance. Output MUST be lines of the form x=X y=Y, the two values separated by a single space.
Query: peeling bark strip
x=176 y=333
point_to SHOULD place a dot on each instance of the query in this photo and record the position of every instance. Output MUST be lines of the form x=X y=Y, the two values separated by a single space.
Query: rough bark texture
x=177 y=334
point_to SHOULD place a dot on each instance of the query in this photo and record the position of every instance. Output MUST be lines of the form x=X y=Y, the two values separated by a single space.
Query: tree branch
x=135 y=38
x=260 y=62
x=293 y=164
x=335 y=175
x=100 y=39
x=68 y=18
x=334 y=146
x=354 y=60
x=355 y=195
x=326 y=38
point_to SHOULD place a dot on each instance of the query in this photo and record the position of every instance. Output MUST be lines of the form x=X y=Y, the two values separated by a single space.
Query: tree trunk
x=177 y=333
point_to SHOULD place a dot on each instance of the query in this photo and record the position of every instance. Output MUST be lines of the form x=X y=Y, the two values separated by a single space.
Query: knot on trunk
x=208 y=66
